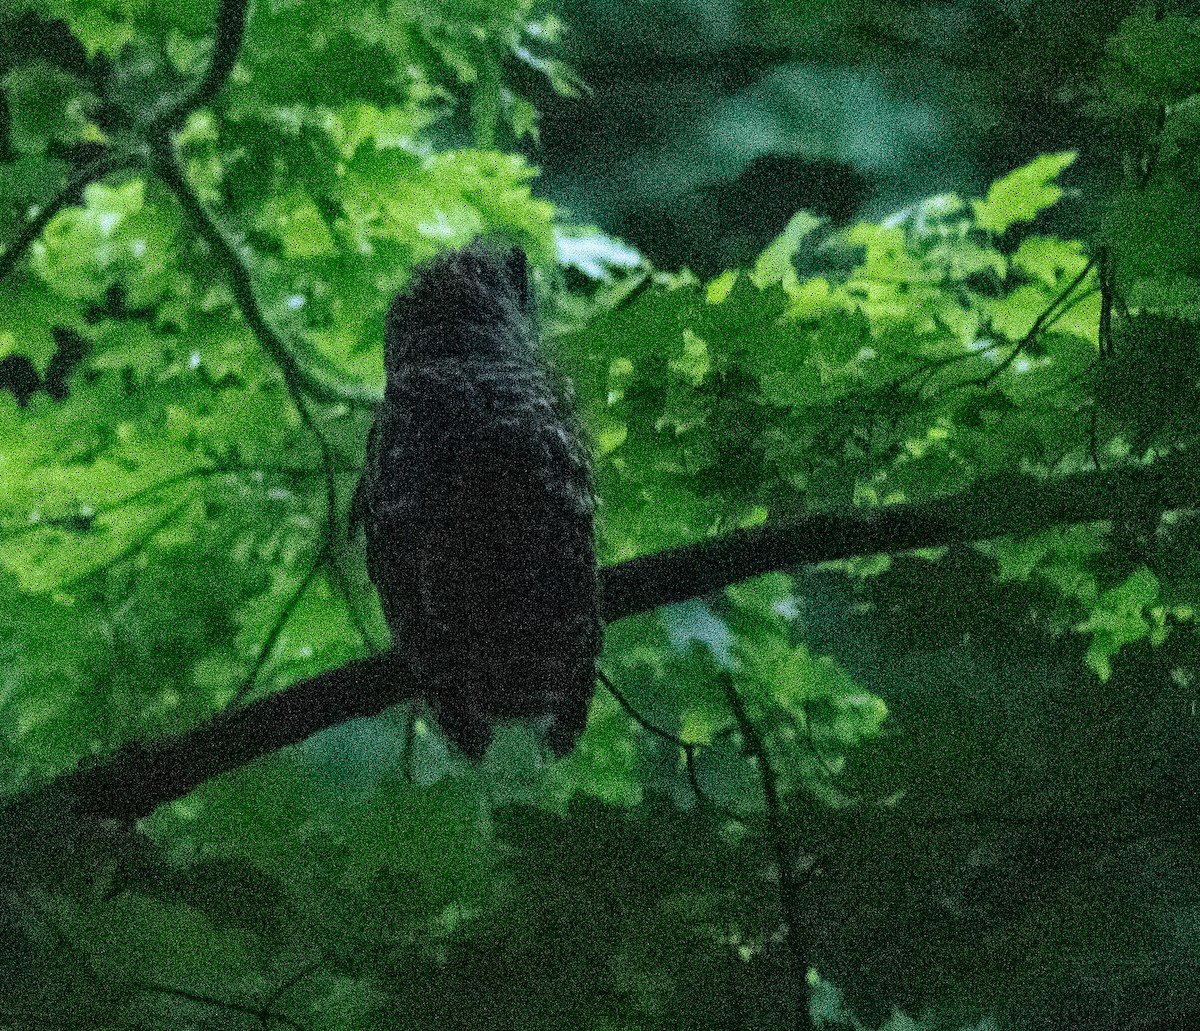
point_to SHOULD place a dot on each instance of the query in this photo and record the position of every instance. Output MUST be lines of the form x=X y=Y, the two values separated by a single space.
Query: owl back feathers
x=477 y=505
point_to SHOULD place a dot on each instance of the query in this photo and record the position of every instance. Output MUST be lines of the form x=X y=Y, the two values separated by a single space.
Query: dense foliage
x=958 y=781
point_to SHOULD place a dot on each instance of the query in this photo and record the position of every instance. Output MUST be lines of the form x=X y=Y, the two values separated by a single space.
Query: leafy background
x=947 y=786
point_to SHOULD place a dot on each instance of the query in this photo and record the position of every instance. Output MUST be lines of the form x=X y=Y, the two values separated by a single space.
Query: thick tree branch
x=1005 y=505
x=140 y=778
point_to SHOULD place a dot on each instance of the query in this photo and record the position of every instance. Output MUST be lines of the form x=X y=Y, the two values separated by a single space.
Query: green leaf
x=1152 y=60
x=1120 y=617
x=134 y=940
x=1150 y=241
x=47 y=106
x=295 y=221
x=774 y=265
x=1049 y=261
x=29 y=312
x=1022 y=194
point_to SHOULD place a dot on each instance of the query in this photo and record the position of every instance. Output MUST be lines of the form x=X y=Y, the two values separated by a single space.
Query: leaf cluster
x=948 y=778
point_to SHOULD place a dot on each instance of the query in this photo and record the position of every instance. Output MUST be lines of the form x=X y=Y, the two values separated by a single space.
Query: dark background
x=705 y=125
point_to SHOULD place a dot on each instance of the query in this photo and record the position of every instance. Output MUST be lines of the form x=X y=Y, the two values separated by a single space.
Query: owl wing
x=387 y=503
x=503 y=620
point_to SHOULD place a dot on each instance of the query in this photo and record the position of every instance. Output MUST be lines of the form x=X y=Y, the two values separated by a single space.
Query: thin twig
x=133 y=549
x=285 y=613
x=1094 y=436
x=687 y=747
x=1052 y=312
x=830 y=773
x=789 y=891
x=286 y=985
x=638 y=718
x=1104 y=331
x=1150 y=159
x=34 y=226
x=410 y=737
x=299 y=384
x=209 y=1000
x=196 y=473
x=929 y=369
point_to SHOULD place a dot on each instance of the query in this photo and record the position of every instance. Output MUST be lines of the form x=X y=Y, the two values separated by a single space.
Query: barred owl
x=476 y=499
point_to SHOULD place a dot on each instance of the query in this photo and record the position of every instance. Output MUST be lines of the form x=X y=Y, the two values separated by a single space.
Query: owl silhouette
x=477 y=504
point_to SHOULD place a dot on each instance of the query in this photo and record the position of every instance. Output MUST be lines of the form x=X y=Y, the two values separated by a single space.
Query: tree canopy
x=898 y=719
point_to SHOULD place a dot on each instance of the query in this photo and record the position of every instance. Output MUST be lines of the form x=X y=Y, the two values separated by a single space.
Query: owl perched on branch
x=477 y=503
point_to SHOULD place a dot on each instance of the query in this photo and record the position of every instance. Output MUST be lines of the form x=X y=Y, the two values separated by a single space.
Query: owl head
x=472 y=302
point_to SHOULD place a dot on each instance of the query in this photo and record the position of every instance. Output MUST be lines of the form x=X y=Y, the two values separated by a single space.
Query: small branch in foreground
x=1052 y=312
x=687 y=747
